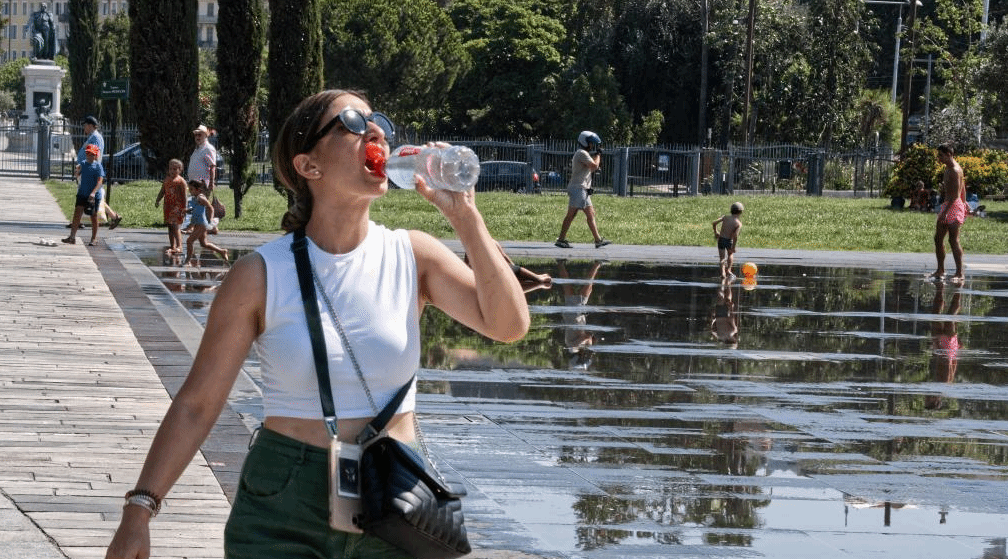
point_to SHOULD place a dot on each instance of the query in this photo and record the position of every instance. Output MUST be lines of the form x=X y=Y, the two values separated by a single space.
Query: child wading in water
x=727 y=237
x=202 y=215
x=173 y=190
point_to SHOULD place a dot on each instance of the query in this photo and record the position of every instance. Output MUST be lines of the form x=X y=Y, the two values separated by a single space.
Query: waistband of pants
x=286 y=446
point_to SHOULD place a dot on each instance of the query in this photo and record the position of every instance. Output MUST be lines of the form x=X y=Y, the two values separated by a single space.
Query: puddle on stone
x=657 y=407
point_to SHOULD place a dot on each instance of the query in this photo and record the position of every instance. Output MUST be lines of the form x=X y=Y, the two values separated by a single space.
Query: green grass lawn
x=793 y=222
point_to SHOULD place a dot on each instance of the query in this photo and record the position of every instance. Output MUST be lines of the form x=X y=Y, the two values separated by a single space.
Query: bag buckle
x=366 y=434
x=331 y=426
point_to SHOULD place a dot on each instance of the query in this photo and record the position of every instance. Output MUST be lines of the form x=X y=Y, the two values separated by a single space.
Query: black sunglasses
x=355 y=121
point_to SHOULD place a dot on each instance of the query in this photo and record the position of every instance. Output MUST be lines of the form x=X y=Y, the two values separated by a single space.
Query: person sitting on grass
x=202 y=216
x=88 y=195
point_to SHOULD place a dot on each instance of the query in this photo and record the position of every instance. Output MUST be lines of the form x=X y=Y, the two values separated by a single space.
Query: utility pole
x=704 y=50
x=749 y=64
x=908 y=85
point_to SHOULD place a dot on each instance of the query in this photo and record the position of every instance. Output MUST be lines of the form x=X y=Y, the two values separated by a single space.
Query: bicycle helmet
x=588 y=138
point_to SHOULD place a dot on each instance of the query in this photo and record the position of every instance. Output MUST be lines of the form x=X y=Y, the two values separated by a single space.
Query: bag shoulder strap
x=300 y=249
x=312 y=315
x=384 y=416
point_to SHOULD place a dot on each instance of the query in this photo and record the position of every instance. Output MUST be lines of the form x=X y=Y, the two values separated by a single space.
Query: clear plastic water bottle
x=450 y=168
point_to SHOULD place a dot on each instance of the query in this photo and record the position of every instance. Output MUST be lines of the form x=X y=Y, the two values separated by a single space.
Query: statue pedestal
x=43 y=83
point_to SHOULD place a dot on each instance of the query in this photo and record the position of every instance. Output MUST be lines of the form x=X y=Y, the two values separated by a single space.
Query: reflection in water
x=823 y=420
x=945 y=353
x=724 y=323
x=577 y=337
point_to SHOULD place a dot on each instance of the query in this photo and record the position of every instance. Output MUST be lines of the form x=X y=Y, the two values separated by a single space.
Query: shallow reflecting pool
x=656 y=411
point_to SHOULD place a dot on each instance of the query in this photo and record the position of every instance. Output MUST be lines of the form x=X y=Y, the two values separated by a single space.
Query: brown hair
x=946 y=149
x=293 y=140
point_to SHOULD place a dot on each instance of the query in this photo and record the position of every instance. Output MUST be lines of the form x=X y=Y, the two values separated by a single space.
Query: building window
x=210 y=9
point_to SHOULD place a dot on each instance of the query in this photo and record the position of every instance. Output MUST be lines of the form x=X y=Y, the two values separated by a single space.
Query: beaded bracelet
x=144 y=499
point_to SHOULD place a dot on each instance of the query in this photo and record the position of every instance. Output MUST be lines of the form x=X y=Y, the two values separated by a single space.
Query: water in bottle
x=448 y=168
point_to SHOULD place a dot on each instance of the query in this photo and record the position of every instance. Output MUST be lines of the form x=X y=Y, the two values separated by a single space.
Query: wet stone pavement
x=654 y=411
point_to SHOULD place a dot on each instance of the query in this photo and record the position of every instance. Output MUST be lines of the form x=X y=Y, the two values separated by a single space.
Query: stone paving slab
x=79 y=404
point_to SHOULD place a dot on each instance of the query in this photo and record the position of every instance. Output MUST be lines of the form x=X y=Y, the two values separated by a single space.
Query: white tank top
x=373 y=289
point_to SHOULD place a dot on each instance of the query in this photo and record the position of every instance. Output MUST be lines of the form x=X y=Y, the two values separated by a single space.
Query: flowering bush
x=917 y=164
x=985 y=171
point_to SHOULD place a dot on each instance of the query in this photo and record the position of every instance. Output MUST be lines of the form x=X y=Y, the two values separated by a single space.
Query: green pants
x=281 y=510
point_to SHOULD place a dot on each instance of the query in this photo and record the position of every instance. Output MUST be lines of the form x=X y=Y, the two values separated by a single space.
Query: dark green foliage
x=655 y=58
x=515 y=51
x=113 y=63
x=164 y=78
x=919 y=163
x=993 y=79
x=83 y=56
x=407 y=64
x=12 y=79
x=295 y=57
x=241 y=28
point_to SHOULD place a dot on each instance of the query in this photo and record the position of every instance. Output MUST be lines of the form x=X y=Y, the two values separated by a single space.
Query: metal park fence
x=661 y=171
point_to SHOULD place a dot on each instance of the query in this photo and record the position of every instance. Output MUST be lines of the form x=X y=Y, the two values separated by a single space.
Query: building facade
x=17 y=43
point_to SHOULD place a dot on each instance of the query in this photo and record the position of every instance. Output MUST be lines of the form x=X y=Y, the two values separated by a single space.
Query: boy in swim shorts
x=951 y=214
x=727 y=237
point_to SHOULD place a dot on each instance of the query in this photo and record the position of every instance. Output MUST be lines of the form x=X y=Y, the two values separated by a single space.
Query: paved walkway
x=91 y=350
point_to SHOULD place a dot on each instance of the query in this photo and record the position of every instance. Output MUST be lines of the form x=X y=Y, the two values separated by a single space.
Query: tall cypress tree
x=239 y=64
x=83 y=58
x=164 y=85
x=295 y=58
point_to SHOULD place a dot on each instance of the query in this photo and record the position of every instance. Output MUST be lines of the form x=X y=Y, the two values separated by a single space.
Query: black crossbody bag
x=404 y=500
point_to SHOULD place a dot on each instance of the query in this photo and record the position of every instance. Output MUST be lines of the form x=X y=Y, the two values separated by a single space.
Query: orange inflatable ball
x=749 y=269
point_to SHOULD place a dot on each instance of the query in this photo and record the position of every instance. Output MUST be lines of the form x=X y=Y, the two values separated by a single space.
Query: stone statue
x=43 y=35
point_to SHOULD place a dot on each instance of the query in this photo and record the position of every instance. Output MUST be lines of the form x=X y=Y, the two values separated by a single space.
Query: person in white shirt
x=330 y=154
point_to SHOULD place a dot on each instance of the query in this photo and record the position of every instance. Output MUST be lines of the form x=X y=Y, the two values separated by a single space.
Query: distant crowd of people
x=185 y=197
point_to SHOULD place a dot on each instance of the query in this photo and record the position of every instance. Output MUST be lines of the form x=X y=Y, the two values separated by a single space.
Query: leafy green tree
x=164 y=88
x=83 y=46
x=209 y=88
x=514 y=50
x=7 y=101
x=407 y=65
x=655 y=58
x=593 y=102
x=113 y=63
x=951 y=34
x=295 y=58
x=839 y=59
x=878 y=115
x=992 y=79
x=239 y=69
x=12 y=80
x=782 y=75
